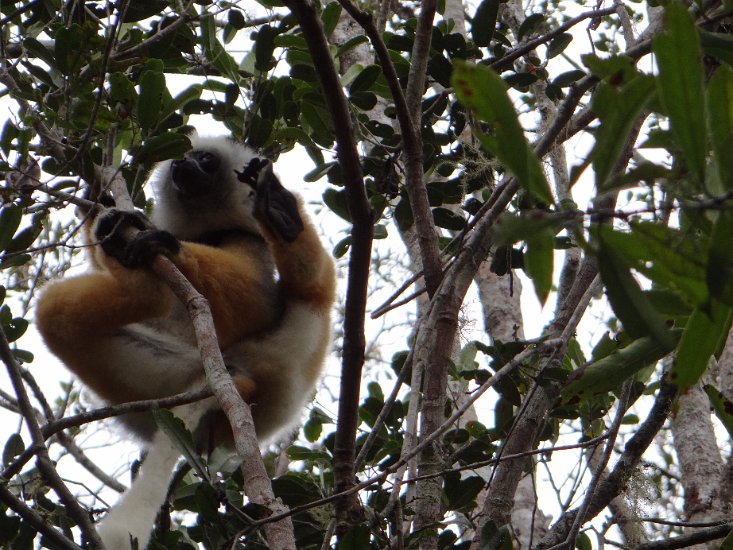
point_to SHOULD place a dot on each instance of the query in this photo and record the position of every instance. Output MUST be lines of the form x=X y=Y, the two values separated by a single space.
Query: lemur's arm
x=305 y=267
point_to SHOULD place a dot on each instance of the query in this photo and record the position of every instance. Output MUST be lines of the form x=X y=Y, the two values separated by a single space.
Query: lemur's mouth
x=195 y=175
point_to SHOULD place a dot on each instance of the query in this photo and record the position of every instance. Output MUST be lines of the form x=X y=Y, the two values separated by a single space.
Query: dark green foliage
x=665 y=264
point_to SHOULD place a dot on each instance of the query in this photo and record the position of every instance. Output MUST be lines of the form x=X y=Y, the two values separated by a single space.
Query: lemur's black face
x=196 y=174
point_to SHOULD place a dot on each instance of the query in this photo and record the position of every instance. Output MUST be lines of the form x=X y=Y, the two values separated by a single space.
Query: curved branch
x=359 y=259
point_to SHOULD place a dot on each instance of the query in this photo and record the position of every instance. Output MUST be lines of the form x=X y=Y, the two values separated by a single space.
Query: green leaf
x=484 y=22
x=214 y=51
x=717 y=44
x=15 y=328
x=447 y=219
x=511 y=228
x=191 y=93
x=722 y=406
x=366 y=101
x=258 y=131
x=264 y=46
x=10 y=217
x=610 y=372
x=583 y=542
x=680 y=84
x=629 y=303
x=567 y=78
x=342 y=247
x=617 y=110
x=520 y=80
x=530 y=23
x=356 y=538
x=174 y=428
x=482 y=90
x=702 y=337
x=336 y=201
x=720 y=121
x=727 y=543
x=137 y=11
x=330 y=17
x=495 y=538
x=462 y=492
x=14 y=446
x=68 y=46
x=318 y=172
x=440 y=68
x=150 y=101
x=40 y=51
x=121 y=90
x=163 y=147
x=24 y=238
x=15 y=261
x=670 y=257
x=720 y=258
x=617 y=68
x=558 y=44
x=350 y=44
x=538 y=262
x=236 y=19
x=319 y=122
x=365 y=78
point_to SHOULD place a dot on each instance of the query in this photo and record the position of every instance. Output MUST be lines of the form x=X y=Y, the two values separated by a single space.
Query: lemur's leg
x=89 y=321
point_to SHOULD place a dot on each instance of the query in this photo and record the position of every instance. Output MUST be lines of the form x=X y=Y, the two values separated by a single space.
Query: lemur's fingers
x=132 y=249
x=276 y=208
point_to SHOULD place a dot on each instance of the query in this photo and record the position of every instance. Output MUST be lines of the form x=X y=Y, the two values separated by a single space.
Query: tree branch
x=409 y=117
x=347 y=510
x=611 y=486
x=43 y=461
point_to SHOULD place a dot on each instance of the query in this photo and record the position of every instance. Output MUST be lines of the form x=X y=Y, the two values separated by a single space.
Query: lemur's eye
x=209 y=161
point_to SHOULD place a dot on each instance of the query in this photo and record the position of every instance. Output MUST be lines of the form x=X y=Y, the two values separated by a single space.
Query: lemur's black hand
x=139 y=249
x=275 y=206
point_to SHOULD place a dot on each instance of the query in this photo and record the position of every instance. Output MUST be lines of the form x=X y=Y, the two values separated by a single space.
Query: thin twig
x=43 y=461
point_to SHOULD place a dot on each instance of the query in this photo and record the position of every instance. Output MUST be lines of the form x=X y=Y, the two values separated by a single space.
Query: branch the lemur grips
x=269 y=282
x=133 y=248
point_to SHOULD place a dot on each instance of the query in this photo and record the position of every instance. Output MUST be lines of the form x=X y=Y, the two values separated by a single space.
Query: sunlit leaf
x=538 y=262
x=150 y=101
x=720 y=258
x=330 y=17
x=617 y=110
x=670 y=257
x=612 y=370
x=702 y=336
x=482 y=90
x=629 y=303
x=680 y=84
x=720 y=121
